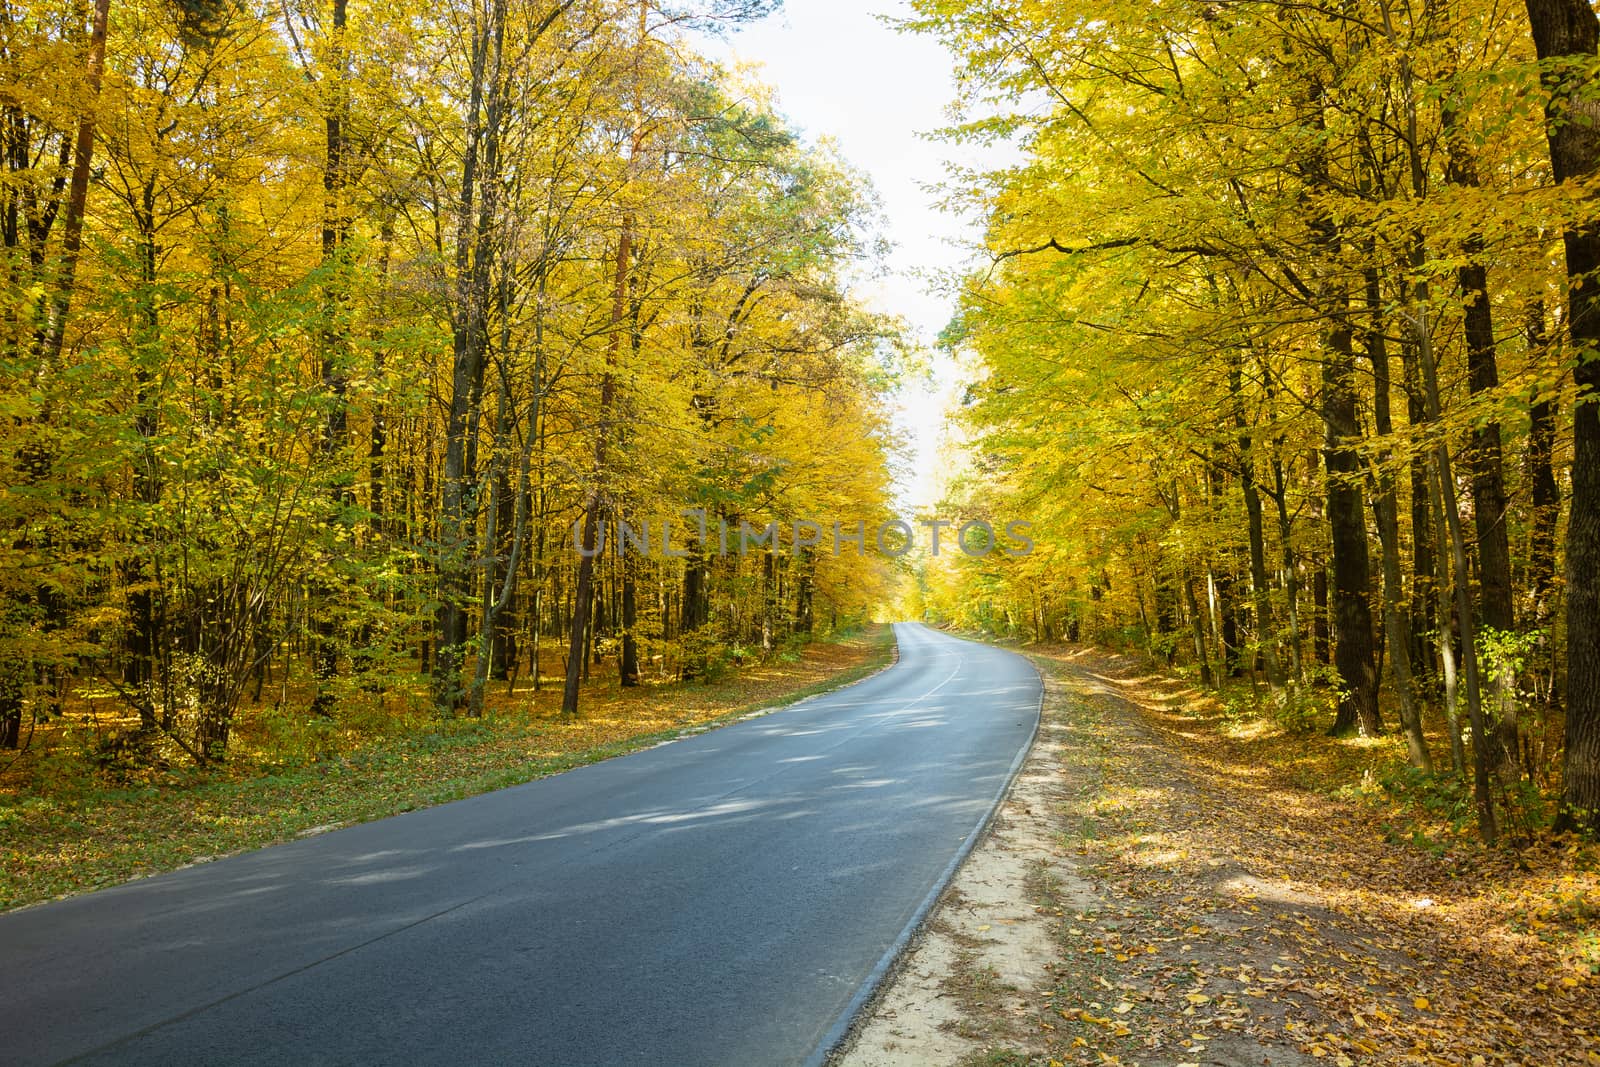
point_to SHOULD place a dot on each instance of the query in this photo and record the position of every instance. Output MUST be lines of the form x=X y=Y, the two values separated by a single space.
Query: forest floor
x=1170 y=883
x=67 y=827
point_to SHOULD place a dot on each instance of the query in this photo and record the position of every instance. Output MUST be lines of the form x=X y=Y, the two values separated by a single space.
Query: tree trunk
x=1447 y=504
x=803 y=593
x=628 y=666
x=1422 y=330
x=577 y=661
x=1569 y=28
x=55 y=329
x=1166 y=601
x=1424 y=557
x=1261 y=594
x=1291 y=570
x=1386 y=510
x=474 y=255
x=691 y=614
x=1230 y=646
x=12 y=671
x=335 y=381
x=1495 y=611
x=506 y=625
x=144 y=595
x=769 y=604
x=1351 y=614
x=1449 y=674
x=1545 y=495
x=1197 y=629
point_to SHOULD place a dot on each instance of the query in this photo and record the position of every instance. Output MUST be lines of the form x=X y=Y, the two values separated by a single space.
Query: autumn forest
x=334 y=331
x=1287 y=324
x=345 y=346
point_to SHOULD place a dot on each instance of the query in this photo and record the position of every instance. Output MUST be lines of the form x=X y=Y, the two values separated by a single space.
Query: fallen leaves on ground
x=1241 y=918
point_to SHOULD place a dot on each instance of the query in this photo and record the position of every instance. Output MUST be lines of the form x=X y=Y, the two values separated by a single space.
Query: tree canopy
x=1284 y=340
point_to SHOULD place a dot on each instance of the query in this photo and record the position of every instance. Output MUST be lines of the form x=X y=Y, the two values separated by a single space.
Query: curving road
x=723 y=899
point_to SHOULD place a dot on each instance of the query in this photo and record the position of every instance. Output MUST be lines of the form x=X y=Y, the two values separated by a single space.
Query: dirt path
x=1149 y=895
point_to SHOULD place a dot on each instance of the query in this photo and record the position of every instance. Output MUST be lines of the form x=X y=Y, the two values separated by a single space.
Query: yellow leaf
x=1421 y=1004
x=1123 y=1008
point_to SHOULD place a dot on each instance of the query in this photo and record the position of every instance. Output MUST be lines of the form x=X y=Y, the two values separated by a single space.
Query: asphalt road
x=717 y=900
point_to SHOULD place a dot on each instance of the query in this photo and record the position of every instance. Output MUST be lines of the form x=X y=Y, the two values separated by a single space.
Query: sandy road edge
x=836 y=1044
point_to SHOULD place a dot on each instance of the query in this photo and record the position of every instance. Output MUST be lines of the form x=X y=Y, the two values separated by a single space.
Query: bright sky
x=842 y=73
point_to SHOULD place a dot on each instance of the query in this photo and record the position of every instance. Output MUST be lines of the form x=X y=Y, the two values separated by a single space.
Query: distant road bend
x=720 y=900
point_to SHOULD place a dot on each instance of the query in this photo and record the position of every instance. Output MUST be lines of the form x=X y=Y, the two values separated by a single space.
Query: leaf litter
x=1203 y=905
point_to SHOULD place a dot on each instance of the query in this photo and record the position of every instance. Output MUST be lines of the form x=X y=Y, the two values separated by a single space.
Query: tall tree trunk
x=582 y=629
x=1229 y=644
x=769 y=603
x=587 y=659
x=628 y=664
x=474 y=255
x=804 y=590
x=1291 y=569
x=577 y=661
x=1546 y=512
x=1386 y=510
x=1447 y=503
x=1197 y=630
x=1568 y=30
x=1544 y=493
x=1353 y=653
x=1166 y=605
x=1220 y=572
x=1424 y=558
x=144 y=588
x=1423 y=331
x=692 y=613
x=505 y=625
x=1488 y=482
x=335 y=373
x=1450 y=675
x=1495 y=610
x=1266 y=628
x=13 y=671
x=55 y=328
x=536 y=624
